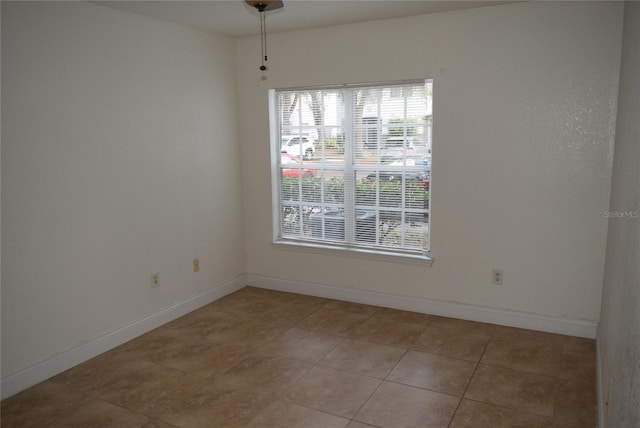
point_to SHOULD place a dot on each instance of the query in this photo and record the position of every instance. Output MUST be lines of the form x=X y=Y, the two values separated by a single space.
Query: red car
x=291 y=166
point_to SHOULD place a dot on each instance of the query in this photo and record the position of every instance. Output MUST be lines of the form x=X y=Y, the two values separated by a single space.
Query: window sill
x=353 y=252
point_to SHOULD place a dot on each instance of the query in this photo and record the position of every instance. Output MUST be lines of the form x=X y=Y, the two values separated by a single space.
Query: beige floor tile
x=452 y=343
x=522 y=353
x=356 y=424
x=576 y=396
x=472 y=414
x=387 y=331
x=151 y=390
x=96 y=375
x=332 y=321
x=215 y=406
x=337 y=392
x=462 y=325
x=532 y=336
x=520 y=391
x=401 y=406
x=573 y=419
x=250 y=290
x=363 y=357
x=252 y=332
x=281 y=296
x=265 y=374
x=437 y=373
x=246 y=296
x=269 y=307
x=157 y=345
x=290 y=415
x=404 y=316
x=301 y=344
x=578 y=364
x=278 y=359
x=287 y=311
x=298 y=299
x=98 y=413
x=356 y=308
x=205 y=360
x=204 y=321
x=38 y=406
x=580 y=343
x=158 y=424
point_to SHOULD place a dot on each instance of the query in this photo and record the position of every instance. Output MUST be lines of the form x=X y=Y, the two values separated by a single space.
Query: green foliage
x=398 y=131
x=311 y=189
x=289 y=189
x=305 y=196
x=389 y=192
x=366 y=193
x=334 y=190
x=334 y=144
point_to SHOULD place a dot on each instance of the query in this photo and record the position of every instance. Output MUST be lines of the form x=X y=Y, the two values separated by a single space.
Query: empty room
x=307 y=213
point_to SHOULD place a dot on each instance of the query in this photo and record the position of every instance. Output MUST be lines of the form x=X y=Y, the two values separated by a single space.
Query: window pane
x=329 y=225
x=290 y=189
x=390 y=191
x=331 y=147
x=355 y=165
x=416 y=194
x=366 y=192
x=366 y=226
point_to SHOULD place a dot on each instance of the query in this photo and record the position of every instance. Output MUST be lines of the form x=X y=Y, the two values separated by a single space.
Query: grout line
x=422 y=388
x=470 y=380
x=383 y=380
x=367 y=400
x=510 y=409
x=254 y=344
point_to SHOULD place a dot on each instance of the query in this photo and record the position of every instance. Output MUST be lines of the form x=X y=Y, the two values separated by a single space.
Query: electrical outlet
x=496 y=278
x=155 y=279
x=196 y=265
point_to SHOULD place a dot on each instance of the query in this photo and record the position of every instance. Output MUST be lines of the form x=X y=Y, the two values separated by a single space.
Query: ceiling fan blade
x=277 y=4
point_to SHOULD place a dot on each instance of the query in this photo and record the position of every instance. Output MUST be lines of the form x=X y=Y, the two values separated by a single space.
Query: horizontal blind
x=354 y=164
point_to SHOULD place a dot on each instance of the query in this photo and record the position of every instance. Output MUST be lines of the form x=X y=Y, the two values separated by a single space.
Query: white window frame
x=352 y=249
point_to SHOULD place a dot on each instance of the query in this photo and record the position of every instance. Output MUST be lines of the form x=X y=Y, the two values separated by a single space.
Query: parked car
x=297 y=145
x=293 y=171
x=397 y=147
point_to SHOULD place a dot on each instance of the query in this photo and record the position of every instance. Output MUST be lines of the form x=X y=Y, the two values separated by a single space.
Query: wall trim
x=44 y=369
x=506 y=317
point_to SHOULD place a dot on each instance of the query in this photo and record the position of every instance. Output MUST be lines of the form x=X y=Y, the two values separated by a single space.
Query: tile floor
x=260 y=358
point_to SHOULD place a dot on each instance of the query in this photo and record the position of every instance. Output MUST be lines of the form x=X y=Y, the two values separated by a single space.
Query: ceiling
x=235 y=18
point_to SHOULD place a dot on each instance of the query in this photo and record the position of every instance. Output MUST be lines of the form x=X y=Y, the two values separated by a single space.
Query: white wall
x=524 y=111
x=0 y=191
x=120 y=158
x=619 y=332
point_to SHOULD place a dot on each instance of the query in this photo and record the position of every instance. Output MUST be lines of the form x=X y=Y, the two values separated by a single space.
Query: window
x=352 y=166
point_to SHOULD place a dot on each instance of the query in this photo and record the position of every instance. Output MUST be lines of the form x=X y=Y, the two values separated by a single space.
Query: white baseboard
x=567 y=326
x=42 y=370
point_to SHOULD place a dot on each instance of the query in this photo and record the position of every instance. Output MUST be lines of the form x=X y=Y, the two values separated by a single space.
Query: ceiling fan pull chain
x=265 y=36
x=263 y=39
x=262 y=6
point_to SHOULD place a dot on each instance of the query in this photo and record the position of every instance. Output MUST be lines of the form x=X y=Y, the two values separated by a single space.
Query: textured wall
x=619 y=333
x=119 y=159
x=524 y=113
